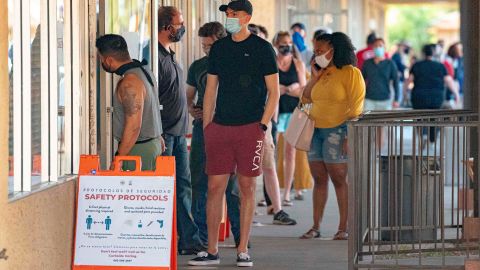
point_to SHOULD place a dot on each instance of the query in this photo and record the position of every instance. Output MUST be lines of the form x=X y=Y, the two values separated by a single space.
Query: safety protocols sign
x=124 y=221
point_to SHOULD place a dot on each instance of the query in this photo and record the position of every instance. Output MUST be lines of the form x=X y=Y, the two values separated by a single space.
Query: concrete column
x=264 y=13
x=470 y=32
x=470 y=23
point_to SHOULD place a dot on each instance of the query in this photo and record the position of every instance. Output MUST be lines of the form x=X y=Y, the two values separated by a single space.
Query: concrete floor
x=279 y=247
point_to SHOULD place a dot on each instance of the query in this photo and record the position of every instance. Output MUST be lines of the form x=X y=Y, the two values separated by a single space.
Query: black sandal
x=312 y=233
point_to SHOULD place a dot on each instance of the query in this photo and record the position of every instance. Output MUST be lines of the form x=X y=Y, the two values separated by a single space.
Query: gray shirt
x=172 y=93
x=151 y=119
x=378 y=78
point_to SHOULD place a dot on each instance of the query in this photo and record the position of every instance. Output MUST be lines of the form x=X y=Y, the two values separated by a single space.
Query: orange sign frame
x=165 y=166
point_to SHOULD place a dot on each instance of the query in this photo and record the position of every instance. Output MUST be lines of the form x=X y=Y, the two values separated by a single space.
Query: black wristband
x=263 y=126
x=116 y=153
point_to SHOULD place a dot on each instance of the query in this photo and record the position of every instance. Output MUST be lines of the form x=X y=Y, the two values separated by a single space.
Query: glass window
x=37 y=109
x=130 y=18
x=36 y=89
x=62 y=158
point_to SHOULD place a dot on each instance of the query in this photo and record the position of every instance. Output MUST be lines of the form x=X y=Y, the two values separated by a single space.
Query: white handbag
x=300 y=130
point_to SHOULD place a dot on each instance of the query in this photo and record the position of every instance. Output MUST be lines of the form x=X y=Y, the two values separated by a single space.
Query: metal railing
x=412 y=190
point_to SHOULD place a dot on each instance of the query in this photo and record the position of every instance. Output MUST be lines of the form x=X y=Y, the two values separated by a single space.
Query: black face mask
x=285 y=49
x=177 y=36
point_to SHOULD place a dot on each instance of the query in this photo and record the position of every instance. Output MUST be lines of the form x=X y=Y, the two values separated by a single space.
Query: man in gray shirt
x=173 y=98
x=379 y=73
x=136 y=117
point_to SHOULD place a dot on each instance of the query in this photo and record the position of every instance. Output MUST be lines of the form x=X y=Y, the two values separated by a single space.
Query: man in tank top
x=137 y=124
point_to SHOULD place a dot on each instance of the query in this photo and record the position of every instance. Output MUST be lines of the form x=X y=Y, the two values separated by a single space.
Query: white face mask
x=322 y=60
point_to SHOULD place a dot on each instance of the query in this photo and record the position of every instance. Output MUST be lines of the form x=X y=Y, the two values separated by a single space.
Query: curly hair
x=212 y=29
x=343 y=49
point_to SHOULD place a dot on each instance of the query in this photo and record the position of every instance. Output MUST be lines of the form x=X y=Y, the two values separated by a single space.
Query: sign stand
x=125 y=219
x=224 y=231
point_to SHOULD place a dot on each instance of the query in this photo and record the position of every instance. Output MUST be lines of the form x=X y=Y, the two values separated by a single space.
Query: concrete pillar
x=470 y=32
x=264 y=13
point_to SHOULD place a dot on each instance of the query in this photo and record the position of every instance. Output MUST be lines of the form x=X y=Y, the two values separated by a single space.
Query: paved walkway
x=279 y=247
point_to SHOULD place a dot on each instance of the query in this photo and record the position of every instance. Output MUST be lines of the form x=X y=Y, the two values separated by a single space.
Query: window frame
x=22 y=90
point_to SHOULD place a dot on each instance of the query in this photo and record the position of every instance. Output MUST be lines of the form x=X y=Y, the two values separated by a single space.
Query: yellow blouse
x=337 y=96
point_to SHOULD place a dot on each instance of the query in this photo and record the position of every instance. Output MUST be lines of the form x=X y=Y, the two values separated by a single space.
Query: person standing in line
x=173 y=98
x=196 y=83
x=240 y=99
x=270 y=177
x=292 y=81
x=299 y=33
x=337 y=93
x=271 y=187
x=455 y=58
x=366 y=53
x=400 y=60
x=429 y=78
x=137 y=125
x=380 y=74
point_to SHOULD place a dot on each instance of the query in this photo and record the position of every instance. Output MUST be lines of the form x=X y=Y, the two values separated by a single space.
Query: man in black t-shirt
x=235 y=118
x=196 y=83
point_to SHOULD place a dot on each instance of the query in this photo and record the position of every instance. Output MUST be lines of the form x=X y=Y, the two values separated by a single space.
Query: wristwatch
x=263 y=126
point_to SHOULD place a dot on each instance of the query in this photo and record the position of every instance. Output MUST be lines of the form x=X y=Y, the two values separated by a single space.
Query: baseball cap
x=238 y=5
x=299 y=25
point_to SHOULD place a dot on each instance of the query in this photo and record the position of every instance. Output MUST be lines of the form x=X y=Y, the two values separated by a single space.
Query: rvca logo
x=258 y=156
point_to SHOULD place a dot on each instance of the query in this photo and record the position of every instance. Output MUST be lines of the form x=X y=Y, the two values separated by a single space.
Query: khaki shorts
x=268 y=149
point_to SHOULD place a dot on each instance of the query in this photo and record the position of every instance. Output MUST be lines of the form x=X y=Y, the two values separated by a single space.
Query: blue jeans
x=200 y=188
x=186 y=228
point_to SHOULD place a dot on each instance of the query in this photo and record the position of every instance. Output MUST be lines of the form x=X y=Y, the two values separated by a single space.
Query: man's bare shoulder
x=130 y=81
x=130 y=91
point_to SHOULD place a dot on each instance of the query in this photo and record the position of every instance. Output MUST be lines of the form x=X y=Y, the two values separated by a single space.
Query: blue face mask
x=299 y=41
x=379 y=51
x=232 y=25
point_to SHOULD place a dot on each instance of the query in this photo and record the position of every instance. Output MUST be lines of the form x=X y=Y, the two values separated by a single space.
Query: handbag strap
x=304 y=107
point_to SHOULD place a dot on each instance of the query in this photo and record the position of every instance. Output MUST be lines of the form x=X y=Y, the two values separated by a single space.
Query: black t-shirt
x=429 y=87
x=241 y=68
x=429 y=75
x=197 y=77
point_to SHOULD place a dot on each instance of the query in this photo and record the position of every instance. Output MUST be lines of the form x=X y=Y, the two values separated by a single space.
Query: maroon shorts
x=231 y=149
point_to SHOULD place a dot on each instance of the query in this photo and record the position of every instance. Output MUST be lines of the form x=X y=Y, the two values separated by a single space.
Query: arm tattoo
x=132 y=102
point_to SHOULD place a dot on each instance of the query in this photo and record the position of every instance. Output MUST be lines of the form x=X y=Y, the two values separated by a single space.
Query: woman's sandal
x=287 y=203
x=312 y=233
x=270 y=210
x=341 y=235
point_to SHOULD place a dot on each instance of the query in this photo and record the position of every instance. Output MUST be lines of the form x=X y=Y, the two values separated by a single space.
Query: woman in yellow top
x=336 y=91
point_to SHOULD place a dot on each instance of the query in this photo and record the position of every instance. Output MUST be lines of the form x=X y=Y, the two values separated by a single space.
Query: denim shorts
x=327 y=145
x=283 y=121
